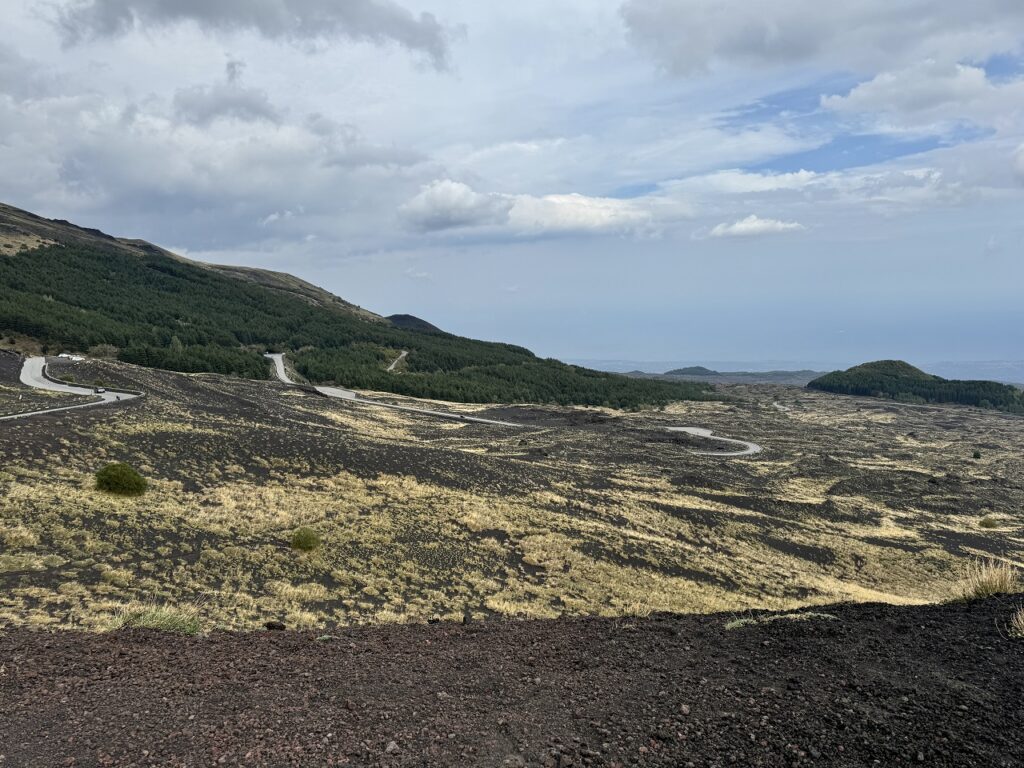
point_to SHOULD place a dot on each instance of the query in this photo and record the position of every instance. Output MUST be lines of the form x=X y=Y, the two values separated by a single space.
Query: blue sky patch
x=1003 y=68
x=850 y=151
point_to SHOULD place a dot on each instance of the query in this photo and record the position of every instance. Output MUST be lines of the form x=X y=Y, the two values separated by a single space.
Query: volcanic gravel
x=878 y=685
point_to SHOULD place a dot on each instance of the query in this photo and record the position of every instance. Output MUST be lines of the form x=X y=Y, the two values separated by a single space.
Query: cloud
x=346 y=147
x=580 y=213
x=753 y=226
x=738 y=182
x=690 y=36
x=23 y=78
x=930 y=94
x=375 y=21
x=922 y=88
x=447 y=204
x=883 y=188
x=202 y=105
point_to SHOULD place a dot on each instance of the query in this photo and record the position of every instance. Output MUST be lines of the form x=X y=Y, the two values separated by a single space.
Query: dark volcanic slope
x=938 y=686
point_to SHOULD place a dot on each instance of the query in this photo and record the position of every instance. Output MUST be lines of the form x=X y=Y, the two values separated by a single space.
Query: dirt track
x=937 y=685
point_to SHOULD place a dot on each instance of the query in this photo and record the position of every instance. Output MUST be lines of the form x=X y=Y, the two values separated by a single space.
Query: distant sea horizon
x=1008 y=371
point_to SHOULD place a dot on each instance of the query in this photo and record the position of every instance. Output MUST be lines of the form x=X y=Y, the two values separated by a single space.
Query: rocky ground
x=864 y=685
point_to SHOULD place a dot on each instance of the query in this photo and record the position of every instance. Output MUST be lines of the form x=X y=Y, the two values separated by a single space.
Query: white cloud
x=754 y=225
x=930 y=94
x=446 y=204
x=578 y=213
x=921 y=88
x=737 y=182
x=376 y=21
x=886 y=188
x=689 y=36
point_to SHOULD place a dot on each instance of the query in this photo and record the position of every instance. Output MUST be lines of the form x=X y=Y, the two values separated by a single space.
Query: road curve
x=749 y=449
x=33 y=374
x=348 y=394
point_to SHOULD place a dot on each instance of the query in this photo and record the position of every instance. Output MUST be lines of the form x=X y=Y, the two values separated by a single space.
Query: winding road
x=749 y=449
x=33 y=374
x=348 y=394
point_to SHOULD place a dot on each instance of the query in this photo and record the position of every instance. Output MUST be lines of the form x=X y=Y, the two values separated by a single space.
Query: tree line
x=897 y=380
x=164 y=313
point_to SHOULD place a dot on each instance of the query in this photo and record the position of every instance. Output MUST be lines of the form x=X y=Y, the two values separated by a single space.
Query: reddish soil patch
x=936 y=685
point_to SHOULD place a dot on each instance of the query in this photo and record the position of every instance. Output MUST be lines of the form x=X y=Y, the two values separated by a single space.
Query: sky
x=661 y=180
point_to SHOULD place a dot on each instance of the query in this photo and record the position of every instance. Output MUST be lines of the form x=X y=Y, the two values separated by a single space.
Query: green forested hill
x=163 y=311
x=901 y=381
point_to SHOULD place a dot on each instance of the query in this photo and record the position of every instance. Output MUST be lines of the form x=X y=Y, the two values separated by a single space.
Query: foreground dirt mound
x=876 y=685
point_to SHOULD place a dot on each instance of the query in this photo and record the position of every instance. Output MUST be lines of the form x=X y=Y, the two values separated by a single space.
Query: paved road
x=398 y=359
x=749 y=449
x=348 y=394
x=33 y=375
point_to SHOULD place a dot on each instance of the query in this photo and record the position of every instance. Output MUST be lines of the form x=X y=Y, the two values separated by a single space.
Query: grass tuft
x=1016 y=627
x=163 y=618
x=988 y=522
x=984 y=578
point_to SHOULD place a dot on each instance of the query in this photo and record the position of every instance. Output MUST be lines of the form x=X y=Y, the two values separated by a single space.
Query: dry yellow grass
x=1016 y=626
x=538 y=523
x=182 y=620
x=984 y=578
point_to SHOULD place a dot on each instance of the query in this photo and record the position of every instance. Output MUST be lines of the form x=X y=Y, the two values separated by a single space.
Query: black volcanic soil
x=879 y=685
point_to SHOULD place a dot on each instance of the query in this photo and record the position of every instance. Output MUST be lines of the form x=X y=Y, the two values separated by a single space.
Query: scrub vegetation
x=78 y=290
x=120 y=479
x=583 y=511
x=900 y=381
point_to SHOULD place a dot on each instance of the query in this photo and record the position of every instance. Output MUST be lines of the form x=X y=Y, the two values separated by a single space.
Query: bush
x=985 y=578
x=182 y=621
x=120 y=479
x=305 y=539
x=989 y=522
x=977 y=454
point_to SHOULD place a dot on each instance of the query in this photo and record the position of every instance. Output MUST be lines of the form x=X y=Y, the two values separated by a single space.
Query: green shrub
x=305 y=539
x=977 y=454
x=120 y=479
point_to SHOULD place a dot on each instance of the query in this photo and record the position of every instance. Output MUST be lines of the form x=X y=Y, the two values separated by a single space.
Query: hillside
x=693 y=370
x=901 y=381
x=702 y=375
x=413 y=323
x=79 y=289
